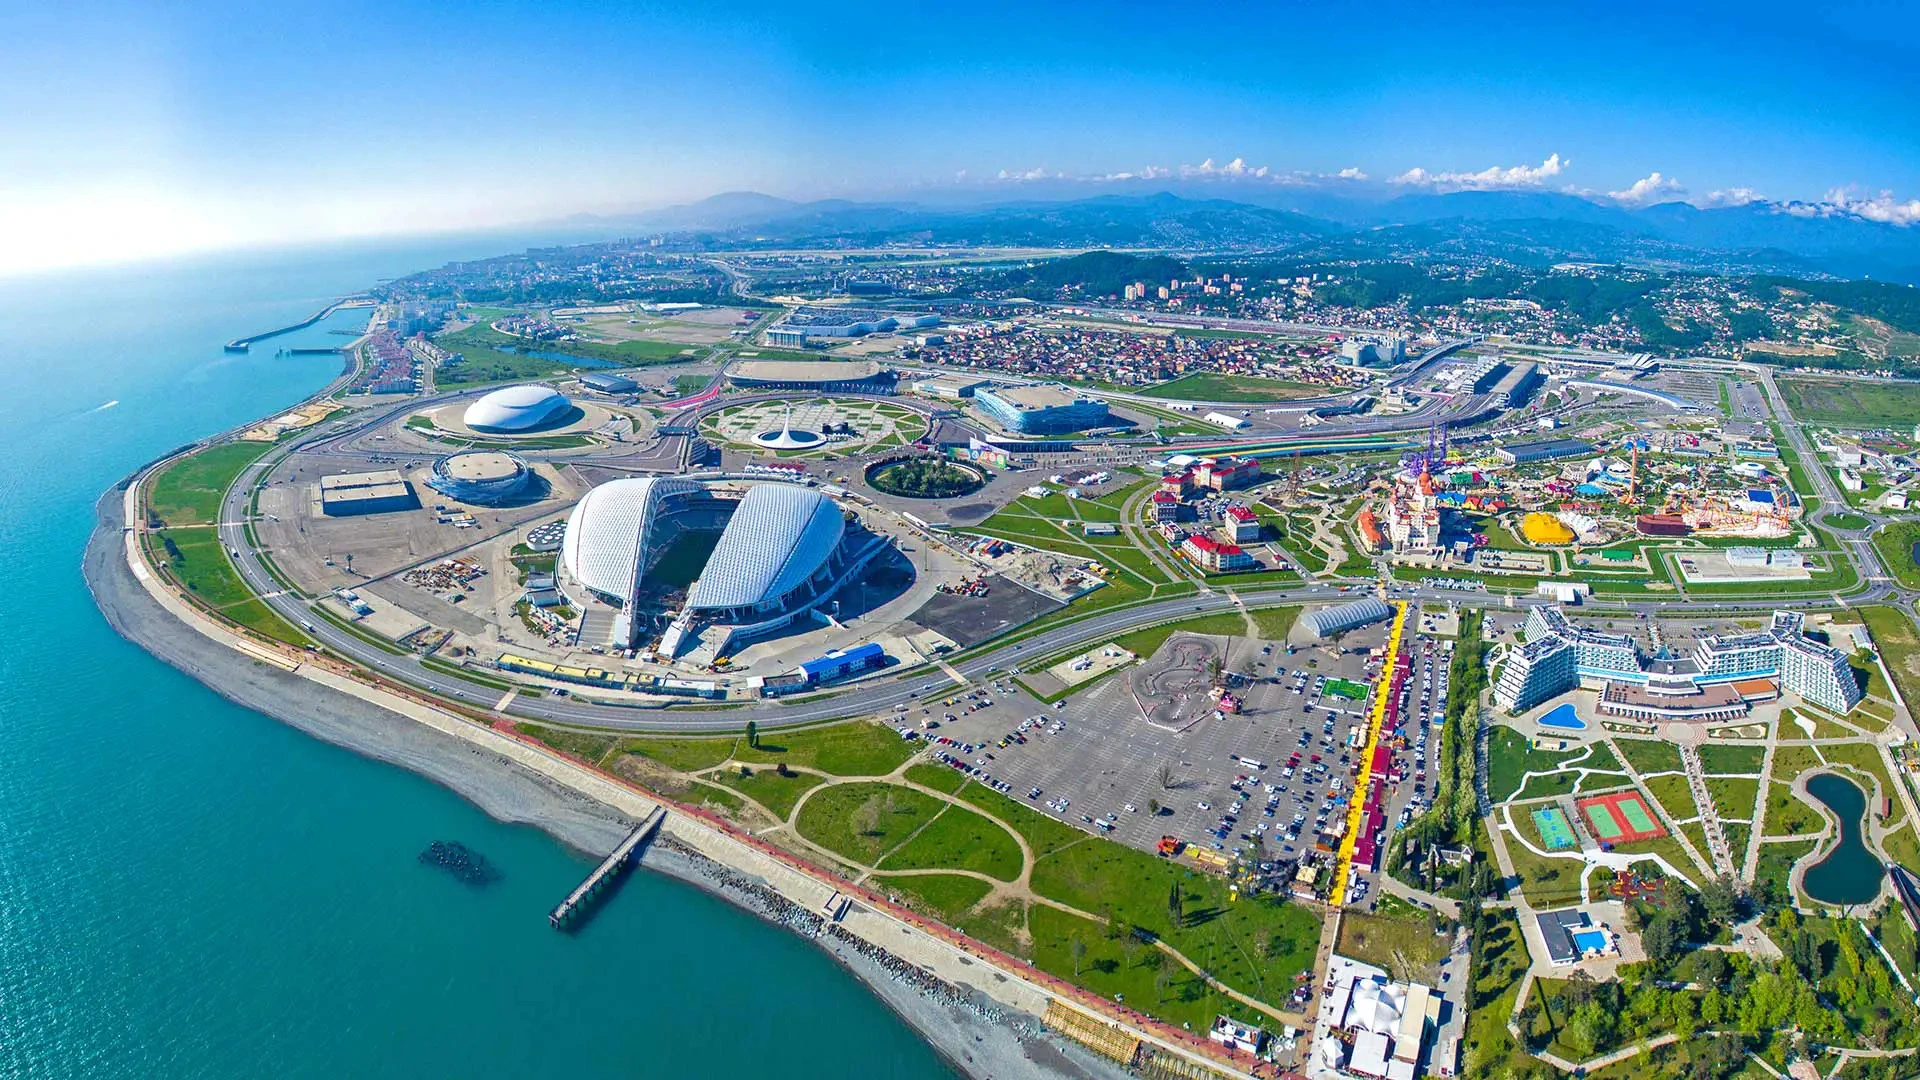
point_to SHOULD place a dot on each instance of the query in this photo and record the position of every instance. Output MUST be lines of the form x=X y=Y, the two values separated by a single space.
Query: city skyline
x=134 y=133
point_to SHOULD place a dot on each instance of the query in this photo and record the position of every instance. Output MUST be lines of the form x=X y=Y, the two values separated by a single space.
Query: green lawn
x=863 y=822
x=1895 y=543
x=946 y=897
x=1510 y=757
x=1899 y=645
x=856 y=748
x=1389 y=942
x=1847 y=521
x=1123 y=968
x=1648 y=756
x=1206 y=386
x=685 y=755
x=1787 y=814
x=1276 y=623
x=1717 y=758
x=1255 y=945
x=1733 y=796
x=1776 y=862
x=768 y=788
x=960 y=840
x=188 y=492
x=1499 y=960
x=937 y=777
x=1548 y=882
x=1043 y=834
x=1674 y=795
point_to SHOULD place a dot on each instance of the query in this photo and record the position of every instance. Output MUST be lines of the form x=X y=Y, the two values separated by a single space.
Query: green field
x=197 y=560
x=1245 y=389
x=1732 y=760
x=1895 y=543
x=959 y=840
x=1510 y=757
x=1648 y=756
x=188 y=492
x=863 y=822
x=855 y=749
x=946 y=897
x=768 y=788
x=1899 y=644
x=1853 y=403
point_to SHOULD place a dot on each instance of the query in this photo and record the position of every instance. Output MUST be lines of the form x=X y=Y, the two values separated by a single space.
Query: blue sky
x=128 y=130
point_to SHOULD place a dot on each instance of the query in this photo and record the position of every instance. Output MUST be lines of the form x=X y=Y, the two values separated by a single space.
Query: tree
x=1166 y=777
x=753 y=734
x=1176 y=912
x=1722 y=900
x=1079 y=950
x=1163 y=978
x=1153 y=807
x=1664 y=938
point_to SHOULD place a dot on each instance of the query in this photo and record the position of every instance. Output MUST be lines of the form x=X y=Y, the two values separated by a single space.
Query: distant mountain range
x=1525 y=225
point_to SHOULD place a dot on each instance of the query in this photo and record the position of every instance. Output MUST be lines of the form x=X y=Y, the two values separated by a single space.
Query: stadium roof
x=606 y=541
x=515 y=408
x=778 y=537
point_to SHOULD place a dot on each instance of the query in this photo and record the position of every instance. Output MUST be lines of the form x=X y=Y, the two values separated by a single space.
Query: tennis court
x=1620 y=818
x=1556 y=833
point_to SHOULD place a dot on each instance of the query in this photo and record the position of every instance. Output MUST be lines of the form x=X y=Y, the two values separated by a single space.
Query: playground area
x=1556 y=832
x=1620 y=818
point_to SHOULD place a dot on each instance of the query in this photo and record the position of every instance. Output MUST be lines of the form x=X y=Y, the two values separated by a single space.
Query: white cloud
x=1882 y=207
x=1490 y=179
x=1023 y=175
x=1351 y=172
x=1649 y=189
x=1232 y=170
x=1734 y=196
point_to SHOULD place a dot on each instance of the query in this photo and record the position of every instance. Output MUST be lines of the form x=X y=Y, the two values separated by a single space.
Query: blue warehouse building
x=1041 y=410
x=841 y=664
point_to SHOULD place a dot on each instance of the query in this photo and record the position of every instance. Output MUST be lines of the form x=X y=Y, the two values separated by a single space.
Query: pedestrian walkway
x=1709 y=813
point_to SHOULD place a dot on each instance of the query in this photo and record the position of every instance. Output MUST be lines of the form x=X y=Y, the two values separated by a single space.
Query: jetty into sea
x=239 y=345
x=579 y=901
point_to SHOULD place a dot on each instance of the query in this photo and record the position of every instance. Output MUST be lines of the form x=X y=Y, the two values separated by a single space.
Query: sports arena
x=528 y=407
x=776 y=553
x=483 y=477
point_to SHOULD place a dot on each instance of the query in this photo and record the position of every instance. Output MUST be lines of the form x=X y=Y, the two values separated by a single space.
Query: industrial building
x=1224 y=420
x=510 y=409
x=1559 y=656
x=347 y=494
x=803 y=324
x=482 y=477
x=605 y=382
x=819 y=376
x=952 y=385
x=1374 y=351
x=1323 y=623
x=1041 y=410
x=1547 y=450
x=1517 y=384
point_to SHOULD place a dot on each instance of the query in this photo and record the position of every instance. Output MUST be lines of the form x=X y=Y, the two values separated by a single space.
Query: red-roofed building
x=1209 y=553
x=1166 y=507
x=1225 y=474
x=1243 y=526
x=1177 y=484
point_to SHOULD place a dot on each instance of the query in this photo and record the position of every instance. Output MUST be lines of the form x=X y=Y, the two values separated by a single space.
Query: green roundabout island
x=925 y=477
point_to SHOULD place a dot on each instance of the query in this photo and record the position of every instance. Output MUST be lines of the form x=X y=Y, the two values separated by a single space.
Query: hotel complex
x=1714 y=682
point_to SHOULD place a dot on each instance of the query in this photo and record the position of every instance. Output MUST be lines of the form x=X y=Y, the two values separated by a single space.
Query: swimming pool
x=1563 y=717
x=1591 y=941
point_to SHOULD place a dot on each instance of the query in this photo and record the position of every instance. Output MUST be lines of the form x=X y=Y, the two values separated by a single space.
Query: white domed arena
x=777 y=552
x=527 y=407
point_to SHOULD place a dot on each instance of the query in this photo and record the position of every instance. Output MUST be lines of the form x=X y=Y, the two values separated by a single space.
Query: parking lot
x=1280 y=770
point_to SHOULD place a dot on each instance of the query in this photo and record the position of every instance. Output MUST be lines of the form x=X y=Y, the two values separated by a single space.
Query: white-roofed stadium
x=517 y=408
x=781 y=551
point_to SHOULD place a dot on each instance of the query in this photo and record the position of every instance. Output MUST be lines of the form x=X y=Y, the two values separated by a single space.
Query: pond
x=564 y=358
x=1850 y=873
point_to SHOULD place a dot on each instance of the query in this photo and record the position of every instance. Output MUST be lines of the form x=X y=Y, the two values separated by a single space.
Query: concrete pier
x=242 y=344
x=575 y=903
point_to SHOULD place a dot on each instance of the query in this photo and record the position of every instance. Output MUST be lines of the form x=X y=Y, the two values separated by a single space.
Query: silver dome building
x=516 y=408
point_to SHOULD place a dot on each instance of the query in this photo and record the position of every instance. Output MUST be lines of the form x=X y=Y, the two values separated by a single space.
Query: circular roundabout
x=925 y=477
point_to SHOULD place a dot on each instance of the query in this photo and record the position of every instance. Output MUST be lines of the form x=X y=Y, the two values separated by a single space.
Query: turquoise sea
x=191 y=889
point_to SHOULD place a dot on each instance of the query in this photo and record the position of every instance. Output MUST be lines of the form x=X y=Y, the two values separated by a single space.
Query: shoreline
x=975 y=1036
